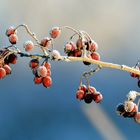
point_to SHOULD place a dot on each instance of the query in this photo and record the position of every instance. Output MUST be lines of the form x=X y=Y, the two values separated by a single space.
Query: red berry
x=92 y=89
x=28 y=45
x=47 y=81
x=73 y=46
x=7 y=69
x=68 y=48
x=71 y=53
x=10 y=30
x=42 y=71
x=38 y=80
x=12 y=58
x=55 y=32
x=88 y=98
x=47 y=65
x=93 y=46
x=46 y=42
x=77 y=53
x=79 y=44
x=48 y=72
x=95 y=56
x=13 y=38
x=2 y=73
x=83 y=87
x=34 y=63
x=137 y=117
x=80 y=94
x=97 y=97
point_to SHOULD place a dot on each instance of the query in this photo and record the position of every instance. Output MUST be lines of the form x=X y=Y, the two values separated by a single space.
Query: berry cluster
x=6 y=58
x=129 y=109
x=82 y=46
x=42 y=72
x=88 y=94
x=76 y=49
x=11 y=32
x=46 y=42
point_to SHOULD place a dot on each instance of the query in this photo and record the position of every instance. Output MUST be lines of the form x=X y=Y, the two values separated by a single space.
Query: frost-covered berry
x=28 y=45
x=80 y=95
x=129 y=106
x=46 y=42
x=7 y=69
x=13 y=38
x=68 y=48
x=10 y=30
x=93 y=46
x=131 y=96
x=97 y=97
x=92 y=89
x=55 y=32
x=2 y=73
x=42 y=71
x=83 y=87
x=56 y=55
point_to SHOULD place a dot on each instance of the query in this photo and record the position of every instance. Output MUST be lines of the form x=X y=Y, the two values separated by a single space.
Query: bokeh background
x=30 y=112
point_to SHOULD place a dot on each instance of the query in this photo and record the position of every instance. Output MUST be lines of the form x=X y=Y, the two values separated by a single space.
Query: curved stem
x=29 y=32
x=33 y=36
x=72 y=29
x=87 y=35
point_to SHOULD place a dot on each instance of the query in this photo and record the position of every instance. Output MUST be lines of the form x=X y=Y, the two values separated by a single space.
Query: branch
x=104 y=64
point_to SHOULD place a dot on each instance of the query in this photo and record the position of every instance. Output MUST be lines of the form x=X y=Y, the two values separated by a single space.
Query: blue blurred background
x=30 y=112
